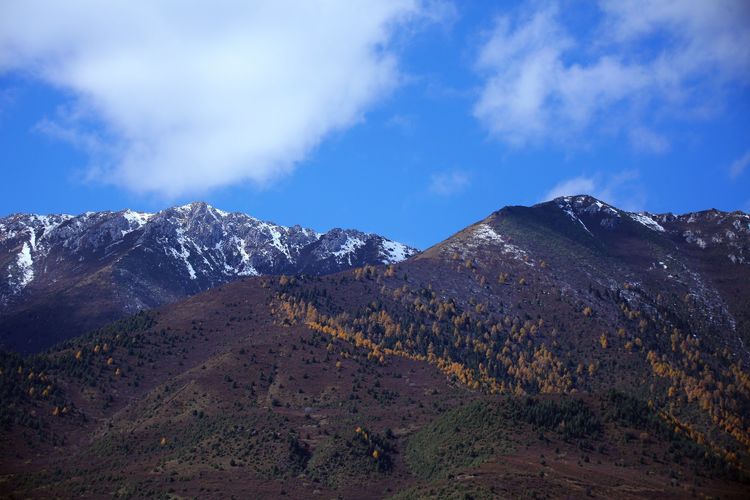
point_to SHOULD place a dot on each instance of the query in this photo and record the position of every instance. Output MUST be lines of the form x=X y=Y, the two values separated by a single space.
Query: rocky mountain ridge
x=126 y=261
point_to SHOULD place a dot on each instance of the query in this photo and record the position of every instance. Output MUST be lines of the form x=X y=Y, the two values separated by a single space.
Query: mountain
x=567 y=349
x=579 y=243
x=65 y=275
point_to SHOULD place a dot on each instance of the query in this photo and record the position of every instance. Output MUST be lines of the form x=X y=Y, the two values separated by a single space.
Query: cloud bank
x=176 y=98
x=644 y=60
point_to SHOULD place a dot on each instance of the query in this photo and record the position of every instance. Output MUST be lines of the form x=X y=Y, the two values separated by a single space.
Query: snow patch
x=137 y=219
x=276 y=238
x=247 y=267
x=691 y=237
x=49 y=222
x=394 y=252
x=735 y=259
x=566 y=207
x=25 y=266
x=184 y=253
x=646 y=220
x=350 y=246
x=184 y=208
x=484 y=234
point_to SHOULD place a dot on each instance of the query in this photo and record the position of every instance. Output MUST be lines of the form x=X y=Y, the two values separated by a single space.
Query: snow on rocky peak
x=647 y=220
x=568 y=204
x=727 y=231
x=576 y=206
x=194 y=245
x=351 y=244
x=136 y=219
x=587 y=204
x=394 y=251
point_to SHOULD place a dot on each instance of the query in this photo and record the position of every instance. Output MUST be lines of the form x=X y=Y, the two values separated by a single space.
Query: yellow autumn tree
x=603 y=341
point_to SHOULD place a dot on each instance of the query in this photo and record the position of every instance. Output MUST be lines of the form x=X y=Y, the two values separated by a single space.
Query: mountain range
x=64 y=275
x=564 y=350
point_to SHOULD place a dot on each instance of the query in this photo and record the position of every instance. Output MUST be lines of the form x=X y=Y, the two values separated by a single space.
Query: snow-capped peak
x=137 y=218
x=575 y=206
x=195 y=245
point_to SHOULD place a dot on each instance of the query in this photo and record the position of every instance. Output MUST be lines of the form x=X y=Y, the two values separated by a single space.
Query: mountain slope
x=565 y=297
x=221 y=394
x=64 y=274
x=581 y=243
x=566 y=349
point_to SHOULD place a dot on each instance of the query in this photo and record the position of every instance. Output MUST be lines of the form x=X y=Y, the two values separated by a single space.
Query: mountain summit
x=64 y=274
x=578 y=243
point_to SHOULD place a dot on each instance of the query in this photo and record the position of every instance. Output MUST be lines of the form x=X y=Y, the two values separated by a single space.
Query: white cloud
x=541 y=83
x=89 y=143
x=7 y=99
x=449 y=183
x=739 y=165
x=621 y=189
x=405 y=123
x=189 y=96
x=572 y=187
x=646 y=140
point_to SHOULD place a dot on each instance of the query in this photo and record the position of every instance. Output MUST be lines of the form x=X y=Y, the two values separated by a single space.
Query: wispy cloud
x=542 y=83
x=645 y=140
x=404 y=123
x=189 y=97
x=85 y=141
x=572 y=187
x=622 y=189
x=7 y=99
x=450 y=182
x=739 y=165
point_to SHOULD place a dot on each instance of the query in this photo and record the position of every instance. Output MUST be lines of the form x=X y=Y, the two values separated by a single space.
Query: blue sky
x=410 y=119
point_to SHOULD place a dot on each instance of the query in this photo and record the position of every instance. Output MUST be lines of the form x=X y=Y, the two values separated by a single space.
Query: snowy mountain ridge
x=106 y=264
x=203 y=243
x=728 y=232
